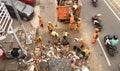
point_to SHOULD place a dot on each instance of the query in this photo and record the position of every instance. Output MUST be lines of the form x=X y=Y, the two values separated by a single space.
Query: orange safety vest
x=72 y=20
x=50 y=27
x=96 y=35
x=79 y=23
x=39 y=41
x=41 y=21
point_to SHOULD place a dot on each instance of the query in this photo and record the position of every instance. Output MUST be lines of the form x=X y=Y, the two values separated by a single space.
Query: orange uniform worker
x=41 y=21
x=95 y=36
x=71 y=24
x=79 y=22
x=39 y=41
x=50 y=27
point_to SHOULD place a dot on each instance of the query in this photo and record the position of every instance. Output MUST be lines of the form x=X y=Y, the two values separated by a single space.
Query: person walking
x=41 y=21
x=71 y=24
x=95 y=36
x=79 y=22
x=50 y=26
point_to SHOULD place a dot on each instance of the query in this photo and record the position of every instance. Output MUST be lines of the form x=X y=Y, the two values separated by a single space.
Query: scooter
x=97 y=23
x=94 y=2
x=111 y=50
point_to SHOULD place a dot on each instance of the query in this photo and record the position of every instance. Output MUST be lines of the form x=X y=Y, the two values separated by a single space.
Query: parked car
x=25 y=11
x=30 y=2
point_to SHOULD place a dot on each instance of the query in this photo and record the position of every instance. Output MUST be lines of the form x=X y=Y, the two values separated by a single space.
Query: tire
x=110 y=51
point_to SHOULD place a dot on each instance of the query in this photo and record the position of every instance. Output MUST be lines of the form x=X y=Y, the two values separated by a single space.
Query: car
x=30 y=2
x=25 y=11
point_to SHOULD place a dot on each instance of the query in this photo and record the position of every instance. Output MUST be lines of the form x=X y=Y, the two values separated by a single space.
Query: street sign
x=5 y=21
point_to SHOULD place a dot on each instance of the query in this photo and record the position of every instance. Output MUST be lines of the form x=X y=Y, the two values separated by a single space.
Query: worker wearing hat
x=79 y=22
x=71 y=24
x=41 y=21
x=39 y=40
x=50 y=26
x=95 y=36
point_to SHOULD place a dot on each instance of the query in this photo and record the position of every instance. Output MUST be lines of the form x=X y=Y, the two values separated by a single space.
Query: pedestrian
x=50 y=26
x=79 y=22
x=95 y=36
x=71 y=24
x=39 y=40
x=15 y=52
x=41 y=21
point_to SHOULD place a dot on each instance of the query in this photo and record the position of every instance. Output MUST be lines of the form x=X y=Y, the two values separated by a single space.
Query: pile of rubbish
x=59 y=57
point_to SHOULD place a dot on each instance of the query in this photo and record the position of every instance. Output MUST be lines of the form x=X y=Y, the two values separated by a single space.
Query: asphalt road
x=110 y=26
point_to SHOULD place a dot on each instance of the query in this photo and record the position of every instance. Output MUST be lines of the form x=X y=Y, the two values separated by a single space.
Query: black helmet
x=110 y=37
x=115 y=37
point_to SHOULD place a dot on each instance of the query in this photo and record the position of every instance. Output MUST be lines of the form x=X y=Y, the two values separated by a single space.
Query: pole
x=21 y=47
x=28 y=40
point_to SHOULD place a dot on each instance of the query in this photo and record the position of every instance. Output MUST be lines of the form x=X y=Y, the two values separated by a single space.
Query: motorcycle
x=111 y=50
x=97 y=23
x=94 y=2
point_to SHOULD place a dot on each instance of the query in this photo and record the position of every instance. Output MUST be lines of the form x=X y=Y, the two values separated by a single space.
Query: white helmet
x=99 y=15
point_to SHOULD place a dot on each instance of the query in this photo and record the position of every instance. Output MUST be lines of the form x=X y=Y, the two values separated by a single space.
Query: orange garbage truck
x=67 y=7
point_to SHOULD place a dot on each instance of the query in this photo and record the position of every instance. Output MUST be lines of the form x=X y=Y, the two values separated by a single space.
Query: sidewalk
x=115 y=4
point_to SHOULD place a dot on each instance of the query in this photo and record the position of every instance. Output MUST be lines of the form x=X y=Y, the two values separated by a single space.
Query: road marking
x=112 y=10
x=108 y=61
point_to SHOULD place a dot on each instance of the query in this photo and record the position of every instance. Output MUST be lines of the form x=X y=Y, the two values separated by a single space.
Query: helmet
x=79 y=18
x=49 y=22
x=110 y=37
x=115 y=37
x=99 y=15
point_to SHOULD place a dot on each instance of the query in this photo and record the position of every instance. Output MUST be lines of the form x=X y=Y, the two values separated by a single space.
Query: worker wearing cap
x=71 y=24
x=95 y=36
x=50 y=26
x=79 y=24
x=41 y=21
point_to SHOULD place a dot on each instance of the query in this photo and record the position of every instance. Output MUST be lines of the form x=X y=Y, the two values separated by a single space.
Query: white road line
x=112 y=10
x=108 y=61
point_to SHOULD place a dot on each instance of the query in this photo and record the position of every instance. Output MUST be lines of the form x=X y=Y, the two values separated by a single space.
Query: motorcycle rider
x=114 y=41
x=108 y=42
x=97 y=17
